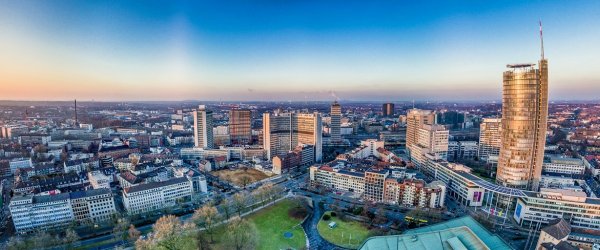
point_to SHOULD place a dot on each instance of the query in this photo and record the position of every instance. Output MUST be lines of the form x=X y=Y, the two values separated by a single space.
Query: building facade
x=524 y=118
x=203 y=128
x=489 y=139
x=336 y=117
x=284 y=131
x=240 y=126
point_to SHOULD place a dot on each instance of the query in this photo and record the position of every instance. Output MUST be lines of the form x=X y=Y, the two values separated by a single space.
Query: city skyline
x=293 y=52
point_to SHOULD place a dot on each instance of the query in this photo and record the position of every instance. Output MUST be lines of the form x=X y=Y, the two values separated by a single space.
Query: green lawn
x=271 y=223
x=348 y=234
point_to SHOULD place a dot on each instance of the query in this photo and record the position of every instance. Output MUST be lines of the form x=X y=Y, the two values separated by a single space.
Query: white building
x=15 y=164
x=431 y=139
x=489 y=139
x=98 y=180
x=153 y=196
x=563 y=165
x=203 y=128
x=31 y=213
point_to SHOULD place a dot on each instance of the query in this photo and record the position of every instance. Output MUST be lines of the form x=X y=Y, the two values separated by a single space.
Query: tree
x=120 y=228
x=241 y=234
x=239 y=202
x=42 y=240
x=206 y=217
x=169 y=233
x=133 y=233
x=70 y=237
x=226 y=206
x=380 y=216
x=245 y=180
x=17 y=243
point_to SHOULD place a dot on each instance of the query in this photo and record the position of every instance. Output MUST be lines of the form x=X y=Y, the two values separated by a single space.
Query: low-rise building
x=563 y=165
x=98 y=180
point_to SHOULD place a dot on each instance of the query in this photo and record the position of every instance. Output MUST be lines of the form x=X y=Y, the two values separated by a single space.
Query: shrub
x=333 y=214
x=326 y=217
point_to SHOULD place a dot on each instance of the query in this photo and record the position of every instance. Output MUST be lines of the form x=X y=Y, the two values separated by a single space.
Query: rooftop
x=460 y=233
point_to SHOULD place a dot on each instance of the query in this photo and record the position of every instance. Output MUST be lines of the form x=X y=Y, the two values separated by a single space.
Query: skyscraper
x=336 y=117
x=489 y=139
x=415 y=118
x=524 y=118
x=203 y=127
x=240 y=128
x=282 y=132
x=388 y=109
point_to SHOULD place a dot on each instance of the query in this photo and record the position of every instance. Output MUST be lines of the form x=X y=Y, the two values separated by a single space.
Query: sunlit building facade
x=240 y=126
x=203 y=128
x=524 y=117
x=336 y=116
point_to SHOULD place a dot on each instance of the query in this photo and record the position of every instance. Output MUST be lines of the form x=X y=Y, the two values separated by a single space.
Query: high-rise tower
x=240 y=126
x=489 y=139
x=282 y=132
x=336 y=117
x=203 y=127
x=388 y=109
x=524 y=121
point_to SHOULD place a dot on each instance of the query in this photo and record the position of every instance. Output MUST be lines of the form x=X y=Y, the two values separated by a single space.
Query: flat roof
x=461 y=232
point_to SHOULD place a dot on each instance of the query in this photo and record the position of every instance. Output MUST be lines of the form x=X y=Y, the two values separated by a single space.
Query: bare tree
x=245 y=180
x=239 y=202
x=70 y=237
x=17 y=243
x=170 y=234
x=241 y=234
x=206 y=217
x=133 y=233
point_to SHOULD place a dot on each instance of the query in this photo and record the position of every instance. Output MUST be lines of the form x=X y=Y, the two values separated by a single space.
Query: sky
x=292 y=50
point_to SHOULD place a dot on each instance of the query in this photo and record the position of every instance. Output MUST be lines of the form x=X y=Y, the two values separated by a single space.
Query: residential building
x=414 y=193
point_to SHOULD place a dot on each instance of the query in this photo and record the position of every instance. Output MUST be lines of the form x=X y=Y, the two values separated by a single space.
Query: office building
x=388 y=109
x=335 y=125
x=561 y=164
x=240 y=126
x=284 y=131
x=524 y=116
x=431 y=139
x=93 y=206
x=489 y=139
x=415 y=118
x=153 y=196
x=31 y=213
x=203 y=128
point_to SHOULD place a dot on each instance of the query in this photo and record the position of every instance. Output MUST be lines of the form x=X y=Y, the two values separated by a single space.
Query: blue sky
x=291 y=50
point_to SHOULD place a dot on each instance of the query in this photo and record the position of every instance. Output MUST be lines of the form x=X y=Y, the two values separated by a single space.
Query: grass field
x=238 y=176
x=271 y=223
x=348 y=234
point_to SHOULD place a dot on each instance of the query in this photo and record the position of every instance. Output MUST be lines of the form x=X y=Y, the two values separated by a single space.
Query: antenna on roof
x=542 y=39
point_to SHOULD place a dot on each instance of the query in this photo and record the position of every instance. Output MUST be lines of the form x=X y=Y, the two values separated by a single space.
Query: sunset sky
x=291 y=50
